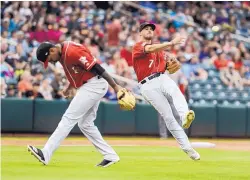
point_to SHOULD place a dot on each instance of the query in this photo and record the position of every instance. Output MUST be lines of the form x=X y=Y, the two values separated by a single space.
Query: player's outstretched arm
x=126 y=99
x=178 y=40
x=97 y=69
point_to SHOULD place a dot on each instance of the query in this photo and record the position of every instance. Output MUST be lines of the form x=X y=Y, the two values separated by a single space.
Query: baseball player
x=159 y=89
x=91 y=82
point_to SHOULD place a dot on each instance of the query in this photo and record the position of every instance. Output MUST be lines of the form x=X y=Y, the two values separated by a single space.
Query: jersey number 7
x=151 y=63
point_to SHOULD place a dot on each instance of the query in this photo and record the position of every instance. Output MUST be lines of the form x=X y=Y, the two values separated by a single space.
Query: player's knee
x=66 y=123
x=85 y=125
x=80 y=125
x=173 y=126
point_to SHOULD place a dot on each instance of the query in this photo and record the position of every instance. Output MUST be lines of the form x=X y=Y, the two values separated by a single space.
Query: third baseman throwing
x=159 y=89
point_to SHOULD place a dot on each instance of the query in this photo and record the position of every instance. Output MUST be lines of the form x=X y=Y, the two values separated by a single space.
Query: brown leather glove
x=173 y=65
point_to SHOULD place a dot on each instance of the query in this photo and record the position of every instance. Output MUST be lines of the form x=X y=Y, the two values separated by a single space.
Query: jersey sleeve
x=85 y=59
x=163 y=55
x=139 y=49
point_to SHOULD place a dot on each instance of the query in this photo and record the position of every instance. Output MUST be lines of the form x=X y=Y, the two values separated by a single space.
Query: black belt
x=151 y=77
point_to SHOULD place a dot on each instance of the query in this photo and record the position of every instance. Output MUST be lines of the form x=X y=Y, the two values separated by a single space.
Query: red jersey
x=146 y=64
x=77 y=60
x=127 y=55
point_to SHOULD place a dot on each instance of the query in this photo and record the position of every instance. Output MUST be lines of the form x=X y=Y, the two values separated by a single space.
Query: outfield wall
x=40 y=116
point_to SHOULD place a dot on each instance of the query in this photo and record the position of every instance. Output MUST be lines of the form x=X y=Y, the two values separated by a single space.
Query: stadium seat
x=208 y=86
x=197 y=95
x=202 y=101
x=191 y=101
x=207 y=68
x=219 y=87
x=215 y=80
x=197 y=86
x=222 y=96
x=225 y=102
x=234 y=95
x=209 y=96
x=244 y=95
x=245 y=99
x=215 y=102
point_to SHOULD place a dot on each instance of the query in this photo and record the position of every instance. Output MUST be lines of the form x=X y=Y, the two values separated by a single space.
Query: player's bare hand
x=179 y=40
x=65 y=93
x=170 y=57
x=117 y=88
x=68 y=92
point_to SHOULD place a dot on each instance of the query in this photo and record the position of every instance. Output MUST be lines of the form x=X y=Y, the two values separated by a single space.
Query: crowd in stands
x=110 y=29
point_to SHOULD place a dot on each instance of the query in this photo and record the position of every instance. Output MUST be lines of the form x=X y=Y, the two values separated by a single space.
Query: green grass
x=137 y=163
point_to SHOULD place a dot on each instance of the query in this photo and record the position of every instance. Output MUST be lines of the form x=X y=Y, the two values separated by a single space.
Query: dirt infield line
x=237 y=145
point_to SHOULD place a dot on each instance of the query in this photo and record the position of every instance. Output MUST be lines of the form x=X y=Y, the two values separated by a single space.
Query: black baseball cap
x=143 y=25
x=42 y=52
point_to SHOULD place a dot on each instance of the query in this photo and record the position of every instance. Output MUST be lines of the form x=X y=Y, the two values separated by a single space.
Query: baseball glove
x=173 y=65
x=126 y=99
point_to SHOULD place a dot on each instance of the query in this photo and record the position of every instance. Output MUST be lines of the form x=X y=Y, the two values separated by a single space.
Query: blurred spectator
x=38 y=76
x=7 y=25
x=46 y=90
x=120 y=64
x=204 y=53
x=109 y=33
x=236 y=59
x=231 y=77
x=122 y=69
x=192 y=69
x=245 y=74
x=3 y=88
x=188 y=53
x=197 y=72
x=7 y=72
x=243 y=27
x=57 y=85
x=108 y=65
x=38 y=33
x=19 y=67
x=114 y=29
x=25 y=84
x=11 y=90
x=185 y=68
x=183 y=85
x=36 y=91
x=110 y=95
x=92 y=47
x=126 y=52
x=221 y=62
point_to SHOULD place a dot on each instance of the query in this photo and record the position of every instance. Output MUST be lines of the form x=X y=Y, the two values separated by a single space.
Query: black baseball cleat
x=37 y=153
x=106 y=163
